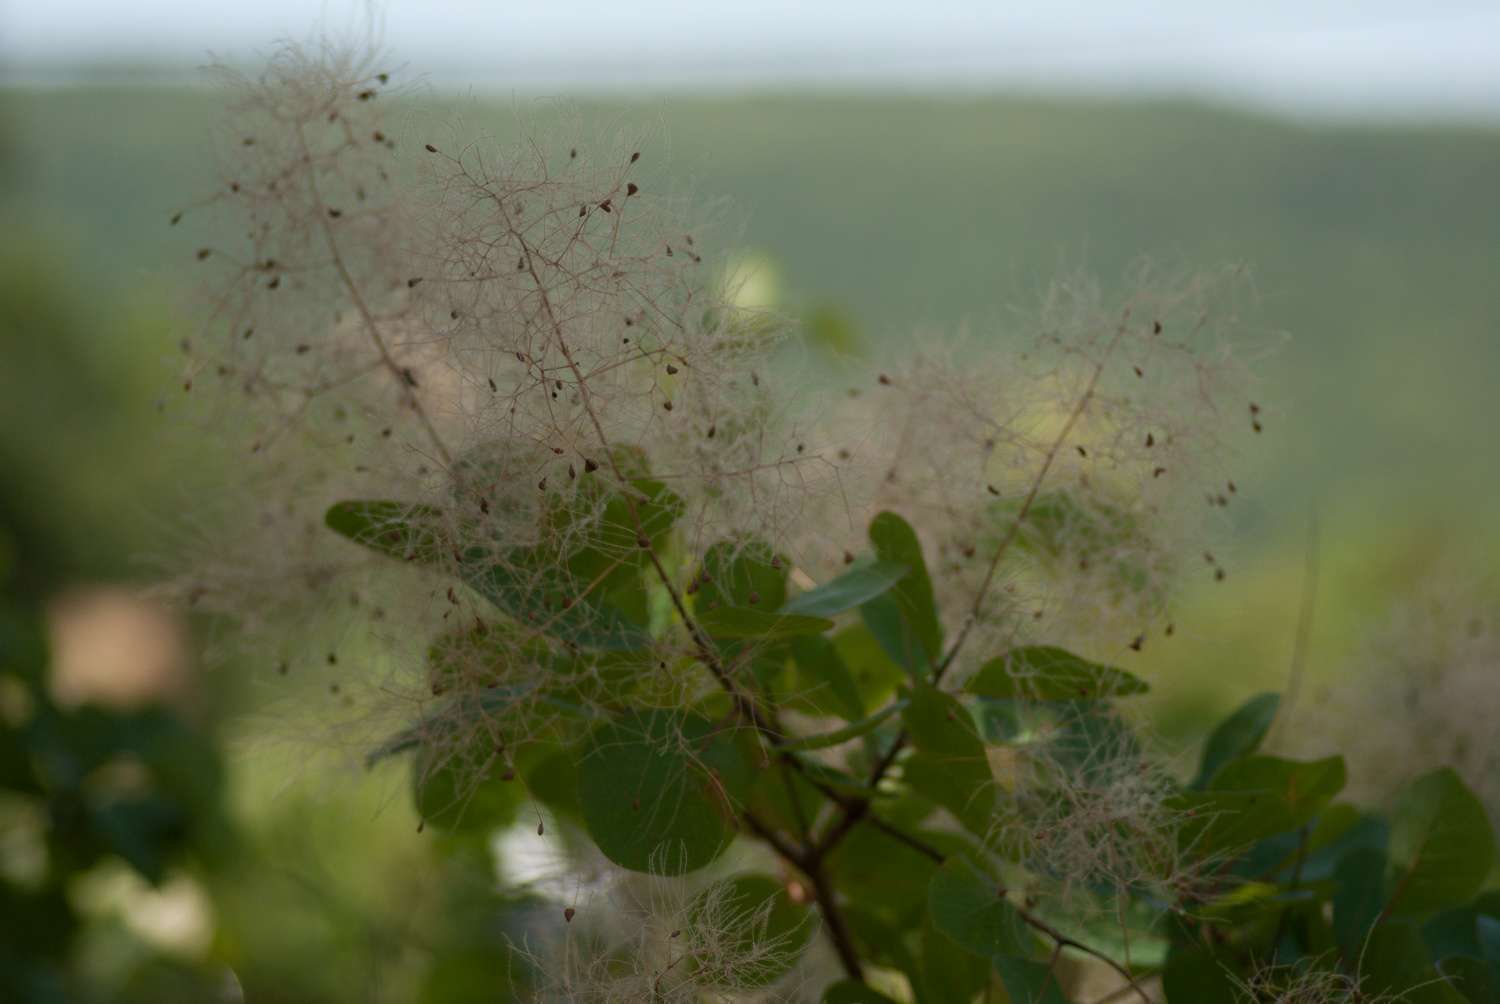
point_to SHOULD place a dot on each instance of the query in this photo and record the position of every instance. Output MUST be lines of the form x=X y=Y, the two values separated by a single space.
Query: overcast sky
x=1360 y=56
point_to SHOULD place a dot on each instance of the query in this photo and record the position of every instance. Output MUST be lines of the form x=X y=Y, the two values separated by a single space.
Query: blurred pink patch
x=111 y=647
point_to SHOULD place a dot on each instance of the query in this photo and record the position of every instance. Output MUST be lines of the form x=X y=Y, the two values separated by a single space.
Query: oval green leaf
x=648 y=800
x=1047 y=673
x=918 y=643
x=950 y=767
x=765 y=625
x=1442 y=847
x=970 y=908
x=1238 y=735
x=857 y=586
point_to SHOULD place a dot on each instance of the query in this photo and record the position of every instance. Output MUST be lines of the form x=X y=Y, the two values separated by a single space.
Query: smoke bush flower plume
x=1295 y=984
x=508 y=337
x=659 y=940
x=1090 y=818
x=1426 y=671
x=1120 y=412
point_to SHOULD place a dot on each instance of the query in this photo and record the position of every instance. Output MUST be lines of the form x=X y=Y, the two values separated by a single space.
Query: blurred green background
x=1373 y=247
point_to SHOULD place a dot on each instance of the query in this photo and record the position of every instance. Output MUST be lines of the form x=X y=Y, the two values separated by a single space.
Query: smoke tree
x=818 y=685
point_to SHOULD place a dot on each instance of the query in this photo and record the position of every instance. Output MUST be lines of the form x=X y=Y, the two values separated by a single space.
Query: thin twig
x=812 y=867
x=856 y=811
x=366 y=316
x=1031 y=496
x=1063 y=941
x=1305 y=618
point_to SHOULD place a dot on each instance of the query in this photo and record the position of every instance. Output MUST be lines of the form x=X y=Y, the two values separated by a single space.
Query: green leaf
x=1028 y=982
x=1238 y=735
x=850 y=992
x=1487 y=933
x=1196 y=976
x=1046 y=673
x=1090 y=738
x=947 y=971
x=876 y=675
x=745 y=573
x=601 y=525
x=526 y=583
x=956 y=788
x=1474 y=978
x=542 y=599
x=1256 y=797
x=765 y=625
x=875 y=870
x=1442 y=847
x=823 y=683
x=1358 y=898
x=969 y=907
x=938 y=723
x=1337 y=830
x=649 y=802
x=855 y=587
x=745 y=915
x=1297 y=789
x=907 y=613
x=951 y=766
x=843 y=735
x=141 y=828
x=880 y=938
x=1453 y=932
x=1396 y=962
x=882 y=618
x=448 y=796
x=783 y=798
x=551 y=775
x=459 y=715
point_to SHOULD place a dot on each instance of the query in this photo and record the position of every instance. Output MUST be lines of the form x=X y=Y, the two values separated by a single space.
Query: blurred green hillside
x=1374 y=248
